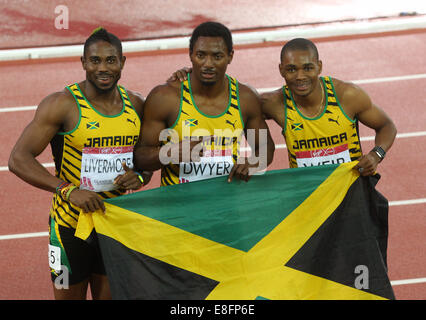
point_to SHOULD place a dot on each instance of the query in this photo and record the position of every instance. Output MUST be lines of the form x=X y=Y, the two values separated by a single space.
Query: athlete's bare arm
x=130 y=180
x=357 y=104
x=50 y=115
x=157 y=109
x=54 y=112
x=273 y=106
x=254 y=121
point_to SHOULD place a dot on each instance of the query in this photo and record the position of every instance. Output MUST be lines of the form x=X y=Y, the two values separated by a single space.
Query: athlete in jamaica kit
x=338 y=141
x=92 y=127
x=210 y=105
x=319 y=116
x=219 y=155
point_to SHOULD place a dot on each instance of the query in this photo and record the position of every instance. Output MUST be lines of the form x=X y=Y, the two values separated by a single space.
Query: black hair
x=101 y=34
x=300 y=44
x=211 y=29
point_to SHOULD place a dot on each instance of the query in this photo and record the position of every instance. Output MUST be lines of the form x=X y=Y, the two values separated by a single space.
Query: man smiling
x=319 y=115
x=92 y=127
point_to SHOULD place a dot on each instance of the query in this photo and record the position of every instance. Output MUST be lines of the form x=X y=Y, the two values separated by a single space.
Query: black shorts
x=72 y=259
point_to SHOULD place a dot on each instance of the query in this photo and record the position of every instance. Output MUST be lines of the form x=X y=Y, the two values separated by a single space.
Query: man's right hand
x=180 y=74
x=87 y=200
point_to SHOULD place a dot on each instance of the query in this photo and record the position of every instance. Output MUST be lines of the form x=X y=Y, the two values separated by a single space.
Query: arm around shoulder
x=273 y=106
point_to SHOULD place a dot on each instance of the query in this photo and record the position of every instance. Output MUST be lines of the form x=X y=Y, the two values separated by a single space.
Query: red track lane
x=25 y=270
x=350 y=59
x=31 y=23
x=406 y=242
x=23 y=267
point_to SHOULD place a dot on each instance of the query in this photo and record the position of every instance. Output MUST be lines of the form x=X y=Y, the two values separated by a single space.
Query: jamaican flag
x=304 y=233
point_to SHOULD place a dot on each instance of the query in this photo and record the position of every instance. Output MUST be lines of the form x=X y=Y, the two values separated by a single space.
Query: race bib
x=100 y=166
x=336 y=155
x=213 y=164
x=55 y=258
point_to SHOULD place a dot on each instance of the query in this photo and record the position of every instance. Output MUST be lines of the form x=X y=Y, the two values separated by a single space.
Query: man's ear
x=280 y=68
x=231 y=56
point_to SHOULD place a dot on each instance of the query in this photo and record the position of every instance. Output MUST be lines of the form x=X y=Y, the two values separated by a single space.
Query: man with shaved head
x=319 y=116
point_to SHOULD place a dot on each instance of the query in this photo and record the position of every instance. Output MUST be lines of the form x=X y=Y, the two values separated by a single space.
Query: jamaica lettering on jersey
x=331 y=137
x=221 y=151
x=90 y=156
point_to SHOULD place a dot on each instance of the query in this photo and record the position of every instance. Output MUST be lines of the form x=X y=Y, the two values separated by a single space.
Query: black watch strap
x=380 y=152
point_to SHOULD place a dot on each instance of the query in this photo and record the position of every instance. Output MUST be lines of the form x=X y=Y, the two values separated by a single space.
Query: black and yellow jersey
x=90 y=156
x=221 y=152
x=331 y=137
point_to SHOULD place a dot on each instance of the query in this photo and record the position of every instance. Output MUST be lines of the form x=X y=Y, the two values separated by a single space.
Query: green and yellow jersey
x=331 y=137
x=90 y=156
x=220 y=152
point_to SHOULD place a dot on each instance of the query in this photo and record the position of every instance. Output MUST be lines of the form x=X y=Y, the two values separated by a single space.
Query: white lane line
x=406 y=202
x=408 y=281
x=24 y=235
x=388 y=79
x=366 y=81
x=260 y=90
x=46 y=165
x=16 y=109
x=409 y=134
x=280 y=146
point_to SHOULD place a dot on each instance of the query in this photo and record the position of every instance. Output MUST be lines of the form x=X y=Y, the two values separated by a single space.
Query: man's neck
x=312 y=100
x=92 y=93
x=105 y=101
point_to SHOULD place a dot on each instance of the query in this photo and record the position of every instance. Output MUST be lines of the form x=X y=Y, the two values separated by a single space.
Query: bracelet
x=140 y=177
x=70 y=189
x=65 y=192
x=61 y=186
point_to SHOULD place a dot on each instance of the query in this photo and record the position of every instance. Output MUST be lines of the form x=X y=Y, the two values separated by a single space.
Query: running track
x=395 y=64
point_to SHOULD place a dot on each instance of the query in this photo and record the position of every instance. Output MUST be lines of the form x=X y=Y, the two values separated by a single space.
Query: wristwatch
x=380 y=152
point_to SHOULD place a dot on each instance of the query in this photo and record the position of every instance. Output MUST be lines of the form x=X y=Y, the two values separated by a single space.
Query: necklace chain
x=321 y=106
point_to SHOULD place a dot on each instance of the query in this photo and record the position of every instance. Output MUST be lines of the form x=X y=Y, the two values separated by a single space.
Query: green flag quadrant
x=217 y=240
x=227 y=212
